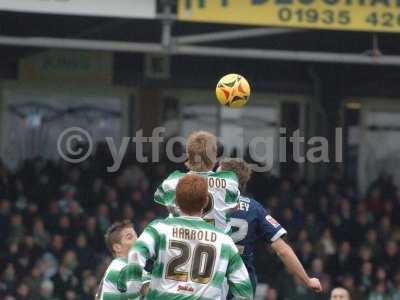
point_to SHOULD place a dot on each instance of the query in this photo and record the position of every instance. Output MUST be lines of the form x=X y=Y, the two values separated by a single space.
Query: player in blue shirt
x=251 y=223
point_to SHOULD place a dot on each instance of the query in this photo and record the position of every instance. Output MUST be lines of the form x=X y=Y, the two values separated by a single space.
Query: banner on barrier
x=70 y=66
x=106 y=8
x=357 y=15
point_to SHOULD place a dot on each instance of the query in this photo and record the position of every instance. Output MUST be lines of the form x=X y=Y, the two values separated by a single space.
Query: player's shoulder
x=155 y=223
x=113 y=272
x=191 y=222
x=165 y=192
x=117 y=264
x=227 y=175
x=256 y=204
x=252 y=203
x=175 y=175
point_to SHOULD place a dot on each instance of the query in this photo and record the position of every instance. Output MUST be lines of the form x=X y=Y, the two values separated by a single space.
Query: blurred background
x=320 y=68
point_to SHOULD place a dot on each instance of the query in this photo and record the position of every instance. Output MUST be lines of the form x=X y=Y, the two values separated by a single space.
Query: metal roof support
x=82 y=44
x=306 y=56
x=231 y=35
x=166 y=35
x=267 y=54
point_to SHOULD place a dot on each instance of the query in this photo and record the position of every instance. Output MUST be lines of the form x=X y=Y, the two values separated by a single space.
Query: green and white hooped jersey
x=109 y=289
x=192 y=260
x=223 y=188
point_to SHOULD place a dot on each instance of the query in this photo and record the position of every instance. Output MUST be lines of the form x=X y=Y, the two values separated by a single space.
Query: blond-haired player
x=201 y=150
x=192 y=257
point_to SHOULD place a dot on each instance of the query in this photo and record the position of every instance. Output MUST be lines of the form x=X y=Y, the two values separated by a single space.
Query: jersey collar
x=190 y=217
x=203 y=172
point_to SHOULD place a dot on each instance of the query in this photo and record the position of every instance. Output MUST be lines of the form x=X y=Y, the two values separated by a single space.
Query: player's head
x=192 y=194
x=119 y=238
x=238 y=166
x=201 y=150
x=340 y=293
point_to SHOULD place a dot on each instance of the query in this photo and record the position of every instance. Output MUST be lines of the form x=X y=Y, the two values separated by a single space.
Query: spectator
x=272 y=294
x=366 y=277
x=391 y=258
x=23 y=292
x=5 y=209
x=327 y=242
x=40 y=235
x=349 y=284
x=64 y=281
x=57 y=246
x=17 y=228
x=317 y=268
x=89 y=287
x=83 y=251
x=343 y=262
x=8 y=278
x=53 y=215
x=380 y=292
x=46 y=290
x=340 y=293
x=396 y=288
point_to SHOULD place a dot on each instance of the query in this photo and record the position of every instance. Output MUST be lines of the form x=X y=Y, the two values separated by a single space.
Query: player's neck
x=204 y=170
x=121 y=255
x=199 y=215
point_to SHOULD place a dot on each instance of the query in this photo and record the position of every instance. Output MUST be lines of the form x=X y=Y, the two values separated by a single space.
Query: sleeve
x=165 y=193
x=109 y=290
x=238 y=277
x=146 y=277
x=269 y=229
x=163 y=196
x=232 y=191
x=131 y=279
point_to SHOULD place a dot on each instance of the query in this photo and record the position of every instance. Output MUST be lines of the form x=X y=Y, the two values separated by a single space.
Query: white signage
x=107 y=8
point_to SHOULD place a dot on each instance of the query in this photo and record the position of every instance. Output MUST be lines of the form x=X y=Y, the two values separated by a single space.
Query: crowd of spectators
x=53 y=217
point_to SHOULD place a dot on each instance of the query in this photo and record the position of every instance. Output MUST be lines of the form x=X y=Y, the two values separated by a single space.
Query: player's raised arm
x=294 y=266
x=237 y=275
x=273 y=232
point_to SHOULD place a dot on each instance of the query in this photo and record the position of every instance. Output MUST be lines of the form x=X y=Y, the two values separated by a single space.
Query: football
x=233 y=90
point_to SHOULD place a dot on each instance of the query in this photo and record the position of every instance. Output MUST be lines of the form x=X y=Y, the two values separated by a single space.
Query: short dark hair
x=192 y=193
x=113 y=233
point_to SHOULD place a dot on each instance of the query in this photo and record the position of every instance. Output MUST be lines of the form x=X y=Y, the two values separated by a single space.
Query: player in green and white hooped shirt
x=119 y=239
x=192 y=257
x=201 y=148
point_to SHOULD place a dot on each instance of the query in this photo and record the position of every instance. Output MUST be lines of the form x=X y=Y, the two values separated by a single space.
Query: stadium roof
x=282 y=54
x=319 y=42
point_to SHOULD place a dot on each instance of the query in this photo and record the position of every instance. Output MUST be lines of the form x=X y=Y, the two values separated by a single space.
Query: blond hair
x=201 y=150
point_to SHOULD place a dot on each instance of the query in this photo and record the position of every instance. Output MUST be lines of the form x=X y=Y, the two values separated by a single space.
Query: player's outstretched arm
x=237 y=275
x=294 y=266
